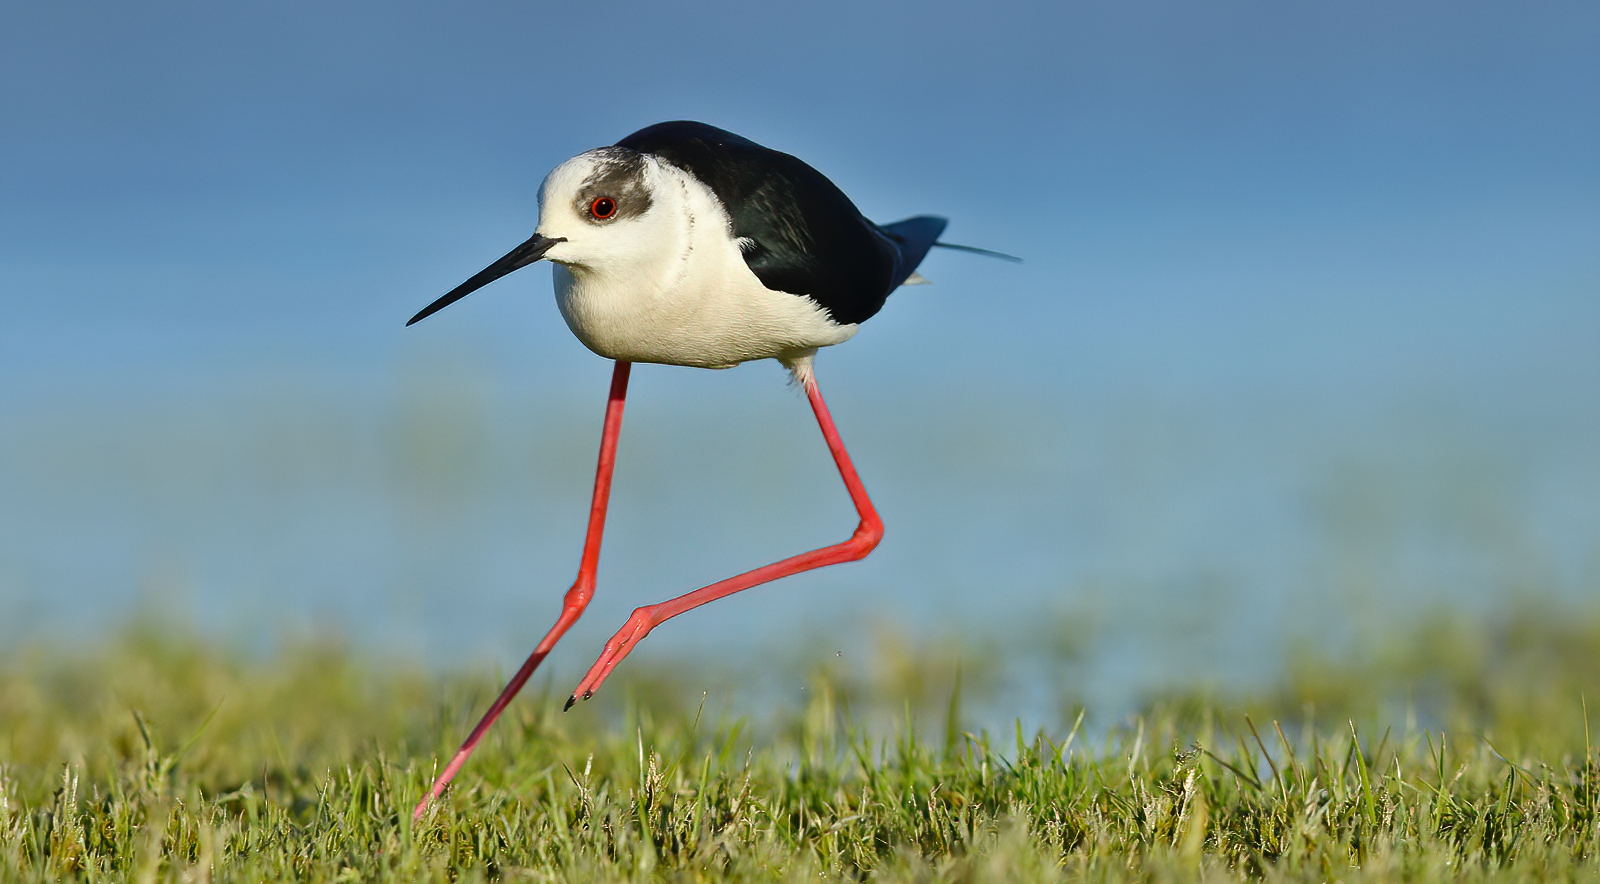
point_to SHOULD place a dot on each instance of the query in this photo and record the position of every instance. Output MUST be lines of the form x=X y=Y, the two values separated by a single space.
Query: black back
x=805 y=236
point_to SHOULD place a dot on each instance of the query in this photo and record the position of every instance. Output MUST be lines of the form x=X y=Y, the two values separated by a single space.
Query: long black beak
x=517 y=258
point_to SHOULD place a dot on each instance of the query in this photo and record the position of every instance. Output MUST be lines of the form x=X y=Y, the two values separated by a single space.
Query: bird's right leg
x=577 y=597
x=867 y=534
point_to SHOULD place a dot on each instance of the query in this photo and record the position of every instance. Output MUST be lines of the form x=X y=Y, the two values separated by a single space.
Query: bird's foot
x=631 y=633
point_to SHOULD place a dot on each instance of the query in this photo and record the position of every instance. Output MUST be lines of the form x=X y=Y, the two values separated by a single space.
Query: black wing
x=804 y=235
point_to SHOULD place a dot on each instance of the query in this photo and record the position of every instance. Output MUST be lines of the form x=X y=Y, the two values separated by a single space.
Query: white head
x=608 y=211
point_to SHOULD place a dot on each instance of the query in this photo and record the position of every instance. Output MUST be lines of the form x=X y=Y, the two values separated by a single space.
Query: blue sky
x=1330 y=208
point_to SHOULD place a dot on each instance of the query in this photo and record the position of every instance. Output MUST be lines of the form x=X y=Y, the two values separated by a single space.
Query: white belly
x=712 y=313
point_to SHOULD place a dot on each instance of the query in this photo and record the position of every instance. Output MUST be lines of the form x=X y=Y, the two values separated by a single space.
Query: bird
x=685 y=244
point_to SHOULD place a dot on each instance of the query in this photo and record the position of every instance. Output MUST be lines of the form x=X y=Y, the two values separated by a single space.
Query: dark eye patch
x=618 y=176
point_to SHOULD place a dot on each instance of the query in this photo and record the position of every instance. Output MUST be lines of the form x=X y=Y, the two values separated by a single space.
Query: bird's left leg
x=577 y=597
x=867 y=534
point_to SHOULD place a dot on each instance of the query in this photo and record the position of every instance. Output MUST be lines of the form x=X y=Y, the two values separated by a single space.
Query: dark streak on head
x=619 y=173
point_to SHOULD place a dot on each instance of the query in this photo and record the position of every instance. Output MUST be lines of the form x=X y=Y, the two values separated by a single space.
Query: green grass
x=1452 y=750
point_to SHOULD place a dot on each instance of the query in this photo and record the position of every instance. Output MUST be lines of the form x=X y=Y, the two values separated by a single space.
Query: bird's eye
x=603 y=208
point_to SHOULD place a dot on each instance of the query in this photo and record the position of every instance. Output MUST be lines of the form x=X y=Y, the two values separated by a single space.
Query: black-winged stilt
x=684 y=244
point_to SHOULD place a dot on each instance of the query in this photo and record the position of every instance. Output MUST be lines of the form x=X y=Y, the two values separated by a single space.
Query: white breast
x=681 y=293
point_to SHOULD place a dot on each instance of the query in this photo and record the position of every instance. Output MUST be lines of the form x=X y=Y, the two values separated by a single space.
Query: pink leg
x=865 y=538
x=577 y=597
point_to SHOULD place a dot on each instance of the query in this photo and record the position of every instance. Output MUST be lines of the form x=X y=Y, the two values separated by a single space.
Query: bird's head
x=598 y=212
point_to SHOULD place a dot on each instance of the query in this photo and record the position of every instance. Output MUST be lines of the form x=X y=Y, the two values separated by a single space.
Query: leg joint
x=866 y=538
x=578 y=596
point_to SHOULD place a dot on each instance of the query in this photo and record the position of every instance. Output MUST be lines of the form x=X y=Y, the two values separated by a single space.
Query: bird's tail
x=914 y=236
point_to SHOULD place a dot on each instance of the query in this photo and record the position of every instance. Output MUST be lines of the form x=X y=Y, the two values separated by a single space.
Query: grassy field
x=1449 y=750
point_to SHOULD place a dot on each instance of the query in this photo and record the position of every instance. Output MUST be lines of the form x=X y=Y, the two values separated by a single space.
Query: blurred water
x=438 y=512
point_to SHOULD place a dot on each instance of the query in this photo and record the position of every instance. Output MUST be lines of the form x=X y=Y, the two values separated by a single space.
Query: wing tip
x=977 y=251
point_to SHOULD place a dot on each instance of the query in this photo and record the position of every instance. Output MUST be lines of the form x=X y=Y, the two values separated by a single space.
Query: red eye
x=603 y=207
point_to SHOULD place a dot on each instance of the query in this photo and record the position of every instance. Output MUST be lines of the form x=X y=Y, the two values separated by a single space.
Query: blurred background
x=1307 y=339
